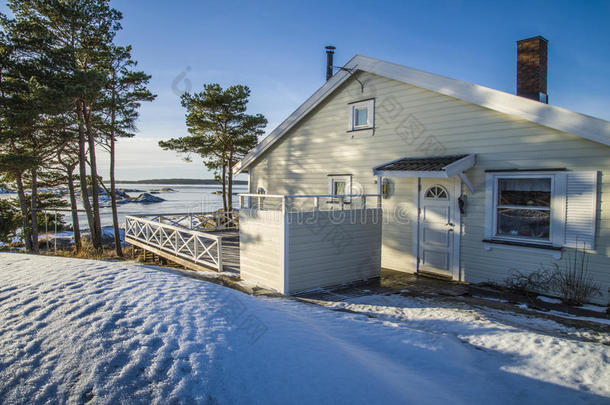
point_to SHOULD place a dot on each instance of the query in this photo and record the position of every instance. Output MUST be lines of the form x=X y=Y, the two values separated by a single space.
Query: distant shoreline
x=180 y=181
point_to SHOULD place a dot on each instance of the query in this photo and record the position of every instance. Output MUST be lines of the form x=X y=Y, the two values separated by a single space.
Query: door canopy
x=437 y=166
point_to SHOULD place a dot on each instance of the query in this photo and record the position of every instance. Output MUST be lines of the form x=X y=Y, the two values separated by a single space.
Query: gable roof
x=582 y=125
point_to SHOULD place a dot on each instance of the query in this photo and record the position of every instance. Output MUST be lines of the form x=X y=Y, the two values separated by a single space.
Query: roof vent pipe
x=330 y=50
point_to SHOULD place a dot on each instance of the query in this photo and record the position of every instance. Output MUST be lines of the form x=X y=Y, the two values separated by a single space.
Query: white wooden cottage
x=473 y=183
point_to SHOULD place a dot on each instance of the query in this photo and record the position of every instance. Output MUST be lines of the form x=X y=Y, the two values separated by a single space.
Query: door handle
x=451 y=224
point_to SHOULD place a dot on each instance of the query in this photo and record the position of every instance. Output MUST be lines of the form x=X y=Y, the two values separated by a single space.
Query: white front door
x=439 y=227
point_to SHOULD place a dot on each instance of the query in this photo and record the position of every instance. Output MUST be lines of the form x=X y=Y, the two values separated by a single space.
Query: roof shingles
x=429 y=164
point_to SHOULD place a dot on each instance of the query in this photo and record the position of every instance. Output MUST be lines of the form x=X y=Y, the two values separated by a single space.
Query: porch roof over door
x=434 y=166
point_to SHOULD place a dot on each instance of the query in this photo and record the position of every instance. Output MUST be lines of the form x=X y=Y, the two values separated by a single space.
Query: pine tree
x=75 y=40
x=78 y=37
x=31 y=96
x=221 y=131
x=124 y=91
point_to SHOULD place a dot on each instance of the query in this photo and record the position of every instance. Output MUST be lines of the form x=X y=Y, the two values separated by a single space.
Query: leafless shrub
x=532 y=283
x=574 y=283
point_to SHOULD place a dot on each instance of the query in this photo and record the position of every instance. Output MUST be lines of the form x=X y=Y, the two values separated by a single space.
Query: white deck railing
x=308 y=202
x=193 y=245
x=205 y=222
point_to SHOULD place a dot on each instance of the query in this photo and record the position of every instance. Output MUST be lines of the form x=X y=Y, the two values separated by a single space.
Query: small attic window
x=362 y=115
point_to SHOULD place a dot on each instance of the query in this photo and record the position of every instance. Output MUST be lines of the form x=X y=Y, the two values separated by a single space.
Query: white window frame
x=557 y=210
x=370 y=116
x=332 y=179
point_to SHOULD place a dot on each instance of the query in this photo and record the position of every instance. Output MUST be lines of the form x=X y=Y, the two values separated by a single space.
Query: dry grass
x=88 y=252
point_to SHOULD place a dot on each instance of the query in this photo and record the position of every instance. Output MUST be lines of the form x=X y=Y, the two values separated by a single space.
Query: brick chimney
x=531 y=68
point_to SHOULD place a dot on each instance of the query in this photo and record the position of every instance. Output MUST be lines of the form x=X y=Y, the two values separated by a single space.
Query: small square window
x=340 y=186
x=362 y=115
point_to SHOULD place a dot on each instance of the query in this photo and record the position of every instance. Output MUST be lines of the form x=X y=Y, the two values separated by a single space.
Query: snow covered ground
x=80 y=331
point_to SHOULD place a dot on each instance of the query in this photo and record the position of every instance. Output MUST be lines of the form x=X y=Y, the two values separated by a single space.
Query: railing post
x=316 y=202
x=363 y=202
x=219 y=249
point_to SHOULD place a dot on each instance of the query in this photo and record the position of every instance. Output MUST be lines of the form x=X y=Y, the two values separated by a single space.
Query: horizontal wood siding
x=326 y=249
x=414 y=122
x=260 y=248
x=400 y=222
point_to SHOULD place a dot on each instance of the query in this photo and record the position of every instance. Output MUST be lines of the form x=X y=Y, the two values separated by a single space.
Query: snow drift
x=81 y=331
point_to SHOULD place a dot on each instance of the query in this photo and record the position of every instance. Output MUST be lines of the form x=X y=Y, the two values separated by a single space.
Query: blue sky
x=277 y=49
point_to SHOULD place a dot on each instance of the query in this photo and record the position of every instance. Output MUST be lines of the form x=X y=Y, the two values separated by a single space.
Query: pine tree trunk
x=224 y=187
x=23 y=205
x=74 y=208
x=82 y=163
x=34 y=211
x=115 y=214
x=230 y=181
x=95 y=202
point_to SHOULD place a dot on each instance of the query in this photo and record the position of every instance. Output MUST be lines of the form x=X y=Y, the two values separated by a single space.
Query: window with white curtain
x=523 y=208
x=546 y=208
x=340 y=185
x=527 y=207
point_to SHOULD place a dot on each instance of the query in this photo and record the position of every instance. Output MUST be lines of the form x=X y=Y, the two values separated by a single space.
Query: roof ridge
x=555 y=117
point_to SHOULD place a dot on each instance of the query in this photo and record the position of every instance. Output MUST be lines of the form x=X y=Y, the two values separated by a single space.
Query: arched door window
x=436 y=192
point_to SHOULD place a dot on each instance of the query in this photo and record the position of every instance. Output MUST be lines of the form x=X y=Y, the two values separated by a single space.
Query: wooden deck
x=230 y=252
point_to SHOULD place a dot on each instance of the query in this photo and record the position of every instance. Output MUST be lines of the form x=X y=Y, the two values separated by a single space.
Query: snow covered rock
x=120 y=193
x=147 y=198
x=163 y=190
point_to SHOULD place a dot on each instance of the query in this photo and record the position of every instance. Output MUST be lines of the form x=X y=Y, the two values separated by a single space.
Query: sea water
x=183 y=199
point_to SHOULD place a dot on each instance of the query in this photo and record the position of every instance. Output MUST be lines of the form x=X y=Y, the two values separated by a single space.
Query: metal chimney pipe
x=330 y=50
